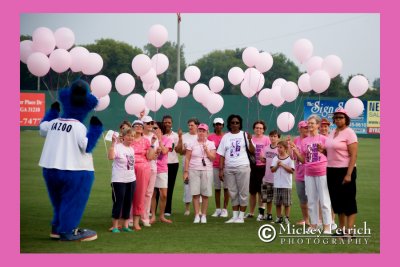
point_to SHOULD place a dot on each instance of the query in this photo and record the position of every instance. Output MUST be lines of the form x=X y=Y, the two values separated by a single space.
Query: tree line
x=117 y=58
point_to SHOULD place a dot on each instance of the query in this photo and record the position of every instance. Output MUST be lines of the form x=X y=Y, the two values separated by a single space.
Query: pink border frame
x=10 y=69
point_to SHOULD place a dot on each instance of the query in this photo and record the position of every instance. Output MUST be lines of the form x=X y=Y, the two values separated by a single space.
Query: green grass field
x=182 y=236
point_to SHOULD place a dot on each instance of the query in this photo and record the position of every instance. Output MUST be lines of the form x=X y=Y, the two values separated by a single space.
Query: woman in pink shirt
x=341 y=148
x=315 y=163
x=144 y=151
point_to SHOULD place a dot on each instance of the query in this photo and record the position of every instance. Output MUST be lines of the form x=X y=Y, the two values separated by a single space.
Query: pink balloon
x=304 y=83
x=354 y=107
x=141 y=64
x=79 y=57
x=235 y=75
x=145 y=111
x=332 y=64
x=254 y=79
x=100 y=86
x=103 y=103
x=153 y=100
x=65 y=38
x=313 y=64
x=93 y=65
x=43 y=40
x=261 y=83
x=182 y=88
x=160 y=63
x=246 y=90
x=250 y=56
x=303 y=50
x=277 y=99
x=134 y=104
x=25 y=50
x=201 y=92
x=320 y=81
x=169 y=98
x=289 y=91
x=358 y=85
x=38 y=64
x=265 y=97
x=124 y=83
x=60 y=60
x=150 y=77
x=216 y=84
x=264 y=62
x=158 y=35
x=278 y=82
x=152 y=86
x=285 y=121
x=192 y=74
x=214 y=103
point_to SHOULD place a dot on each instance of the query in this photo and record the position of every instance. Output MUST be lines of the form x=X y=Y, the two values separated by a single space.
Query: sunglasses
x=155 y=128
x=218 y=124
x=235 y=122
x=150 y=123
x=338 y=117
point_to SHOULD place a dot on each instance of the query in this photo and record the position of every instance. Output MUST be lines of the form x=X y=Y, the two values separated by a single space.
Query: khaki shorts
x=161 y=180
x=201 y=182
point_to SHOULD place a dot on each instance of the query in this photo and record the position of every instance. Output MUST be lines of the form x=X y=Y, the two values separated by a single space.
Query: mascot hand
x=56 y=106
x=95 y=121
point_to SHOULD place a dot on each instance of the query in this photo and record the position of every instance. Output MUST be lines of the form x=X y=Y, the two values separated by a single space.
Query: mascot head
x=77 y=101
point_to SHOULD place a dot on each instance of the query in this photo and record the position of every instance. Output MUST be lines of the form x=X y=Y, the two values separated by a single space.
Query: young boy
x=267 y=188
x=283 y=167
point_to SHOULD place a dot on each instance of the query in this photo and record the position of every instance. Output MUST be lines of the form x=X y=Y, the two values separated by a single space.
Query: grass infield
x=183 y=236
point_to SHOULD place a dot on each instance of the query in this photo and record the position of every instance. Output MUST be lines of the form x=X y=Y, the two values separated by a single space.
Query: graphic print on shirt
x=235 y=147
x=312 y=153
x=259 y=149
x=130 y=162
x=270 y=154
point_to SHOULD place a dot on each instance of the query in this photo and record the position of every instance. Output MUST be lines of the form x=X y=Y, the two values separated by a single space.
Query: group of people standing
x=248 y=167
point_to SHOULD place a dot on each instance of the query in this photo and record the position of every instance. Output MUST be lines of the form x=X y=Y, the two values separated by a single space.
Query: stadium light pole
x=178 y=69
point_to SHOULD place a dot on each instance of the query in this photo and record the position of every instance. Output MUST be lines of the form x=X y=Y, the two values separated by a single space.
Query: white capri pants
x=317 y=191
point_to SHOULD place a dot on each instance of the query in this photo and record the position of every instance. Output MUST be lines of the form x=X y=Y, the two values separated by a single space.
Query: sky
x=354 y=37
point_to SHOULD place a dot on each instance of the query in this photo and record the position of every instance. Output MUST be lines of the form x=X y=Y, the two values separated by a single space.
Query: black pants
x=172 y=172
x=122 y=197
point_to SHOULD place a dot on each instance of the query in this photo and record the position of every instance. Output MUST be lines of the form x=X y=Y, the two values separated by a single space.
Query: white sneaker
x=260 y=218
x=239 y=220
x=196 y=219
x=167 y=214
x=146 y=224
x=130 y=223
x=231 y=220
x=333 y=226
x=217 y=213
x=187 y=212
x=203 y=219
x=224 y=213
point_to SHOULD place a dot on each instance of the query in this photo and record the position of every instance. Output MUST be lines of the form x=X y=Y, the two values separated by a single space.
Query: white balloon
x=25 y=50
x=358 y=85
x=354 y=107
x=235 y=75
x=332 y=64
x=304 y=83
x=145 y=111
x=79 y=56
x=38 y=64
x=100 y=86
x=285 y=121
x=265 y=97
x=214 y=103
x=134 y=104
x=289 y=91
x=201 y=92
x=313 y=64
x=60 y=60
x=94 y=64
x=277 y=99
x=192 y=74
x=216 y=84
x=65 y=38
x=150 y=76
x=254 y=79
x=264 y=62
x=246 y=90
x=182 y=88
x=250 y=56
x=169 y=98
x=103 y=103
x=141 y=64
x=152 y=86
x=153 y=100
x=43 y=40
x=158 y=35
x=160 y=63
x=278 y=82
x=124 y=83
x=320 y=81
x=303 y=50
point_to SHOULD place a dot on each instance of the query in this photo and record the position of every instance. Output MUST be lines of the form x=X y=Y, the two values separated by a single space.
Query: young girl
x=123 y=179
x=283 y=167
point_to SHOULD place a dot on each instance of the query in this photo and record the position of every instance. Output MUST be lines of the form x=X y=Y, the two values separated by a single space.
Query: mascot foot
x=79 y=235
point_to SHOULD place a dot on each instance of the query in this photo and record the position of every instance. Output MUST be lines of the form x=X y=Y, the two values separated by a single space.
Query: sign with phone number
x=31 y=108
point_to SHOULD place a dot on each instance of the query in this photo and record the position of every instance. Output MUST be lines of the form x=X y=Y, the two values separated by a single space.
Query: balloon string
x=270 y=116
x=58 y=82
x=248 y=113
x=298 y=107
x=51 y=95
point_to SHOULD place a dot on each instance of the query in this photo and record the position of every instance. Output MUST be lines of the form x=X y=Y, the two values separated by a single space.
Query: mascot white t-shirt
x=68 y=154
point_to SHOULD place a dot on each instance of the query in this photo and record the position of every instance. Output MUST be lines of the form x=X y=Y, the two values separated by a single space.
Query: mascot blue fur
x=67 y=160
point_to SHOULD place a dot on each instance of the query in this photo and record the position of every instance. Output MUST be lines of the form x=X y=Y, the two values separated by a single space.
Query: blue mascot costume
x=67 y=160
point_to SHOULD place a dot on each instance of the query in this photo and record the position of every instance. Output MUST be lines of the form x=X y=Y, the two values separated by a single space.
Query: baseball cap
x=203 y=126
x=340 y=110
x=218 y=120
x=137 y=122
x=302 y=124
x=146 y=119
x=325 y=121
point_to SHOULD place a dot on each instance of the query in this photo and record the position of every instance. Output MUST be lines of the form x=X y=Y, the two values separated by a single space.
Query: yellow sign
x=373 y=114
